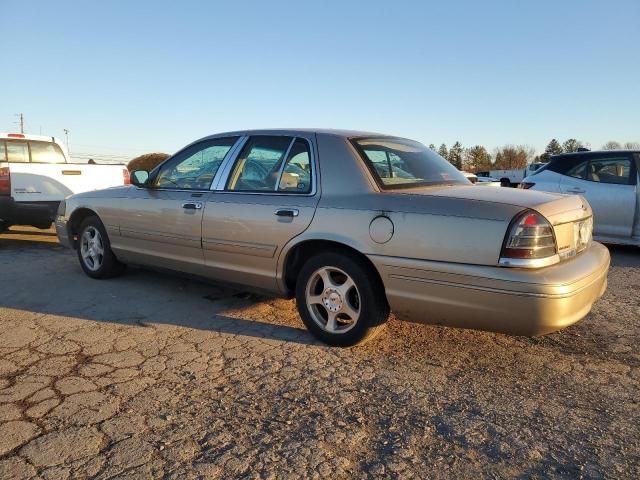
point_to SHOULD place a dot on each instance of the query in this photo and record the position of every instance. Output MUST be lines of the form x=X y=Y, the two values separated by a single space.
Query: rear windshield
x=21 y=151
x=401 y=163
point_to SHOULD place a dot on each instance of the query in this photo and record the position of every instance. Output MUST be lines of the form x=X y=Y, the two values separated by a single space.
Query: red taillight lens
x=126 y=177
x=526 y=185
x=530 y=238
x=5 y=181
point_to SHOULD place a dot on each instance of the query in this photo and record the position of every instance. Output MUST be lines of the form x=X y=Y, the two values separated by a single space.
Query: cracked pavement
x=155 y=376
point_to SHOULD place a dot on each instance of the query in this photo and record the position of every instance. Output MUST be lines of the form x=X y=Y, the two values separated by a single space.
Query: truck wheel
x=341 y=301
x=505 y=182
x=94 y=250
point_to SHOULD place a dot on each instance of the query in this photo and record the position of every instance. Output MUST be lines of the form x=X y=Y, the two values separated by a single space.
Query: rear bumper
x=37 y=214
x=506 y=300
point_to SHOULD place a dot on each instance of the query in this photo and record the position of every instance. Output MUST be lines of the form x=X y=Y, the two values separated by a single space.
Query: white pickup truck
x=35 y=175
x=511 y=178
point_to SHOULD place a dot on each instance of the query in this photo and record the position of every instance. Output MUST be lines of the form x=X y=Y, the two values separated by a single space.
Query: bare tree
x=612 y=146
x=476 y=159
x=632 y=146
x=511 y=157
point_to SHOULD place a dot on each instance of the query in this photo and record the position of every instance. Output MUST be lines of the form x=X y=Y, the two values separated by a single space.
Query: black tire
x=505 y=182
x=109 y=266
x=372 y=300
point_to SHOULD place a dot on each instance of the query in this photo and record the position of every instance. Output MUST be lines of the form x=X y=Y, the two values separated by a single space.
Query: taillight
x=5 y=181
x=125 y=176
x=530 y=242
x=526 y=185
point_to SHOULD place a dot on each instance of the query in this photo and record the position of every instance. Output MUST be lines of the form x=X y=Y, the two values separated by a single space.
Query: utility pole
x=21 y=115
x=66 y=135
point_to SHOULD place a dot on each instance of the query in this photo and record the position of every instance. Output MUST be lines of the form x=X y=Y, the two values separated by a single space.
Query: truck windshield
x=401 y=163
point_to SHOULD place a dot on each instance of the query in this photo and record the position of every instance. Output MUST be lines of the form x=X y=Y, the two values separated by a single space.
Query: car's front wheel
x=341 y=299
x=94 y=250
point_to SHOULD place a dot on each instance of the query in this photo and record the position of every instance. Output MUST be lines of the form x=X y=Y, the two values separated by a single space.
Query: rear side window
x=296 y=176
x=17 y=152
x=44 y=152
x=401 y=163
x=258 y=166
x=611 y=170
x=3 y=152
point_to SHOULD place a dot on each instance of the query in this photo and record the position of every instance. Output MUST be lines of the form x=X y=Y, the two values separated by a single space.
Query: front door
x=609 y=183
x=268 y=197
x=161 y=224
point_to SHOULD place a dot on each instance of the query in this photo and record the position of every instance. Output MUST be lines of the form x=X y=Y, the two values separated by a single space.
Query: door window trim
x=227 y=168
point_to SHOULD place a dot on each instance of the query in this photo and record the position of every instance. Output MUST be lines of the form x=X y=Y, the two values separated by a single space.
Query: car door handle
x=71 y=172
x=287 y=212
x=575 y=190
x=192 y=206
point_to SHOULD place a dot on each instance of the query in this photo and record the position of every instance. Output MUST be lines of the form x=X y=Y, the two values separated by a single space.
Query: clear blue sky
x=129 y=77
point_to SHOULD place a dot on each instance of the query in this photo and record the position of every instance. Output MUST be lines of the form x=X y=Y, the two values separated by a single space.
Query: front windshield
x=401 y=163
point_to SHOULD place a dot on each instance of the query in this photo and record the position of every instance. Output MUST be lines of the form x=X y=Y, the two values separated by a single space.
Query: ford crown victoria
x=354 y=225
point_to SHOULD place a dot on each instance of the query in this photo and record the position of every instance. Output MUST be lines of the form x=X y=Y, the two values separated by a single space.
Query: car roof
x=294 y=131
x=591 y=153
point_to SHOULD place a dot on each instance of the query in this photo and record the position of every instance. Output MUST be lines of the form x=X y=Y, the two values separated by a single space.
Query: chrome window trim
x=284 y=163
x=220 y=179
x=227 y=167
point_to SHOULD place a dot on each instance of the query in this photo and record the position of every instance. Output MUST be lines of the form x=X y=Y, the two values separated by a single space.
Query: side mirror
x=139 y=178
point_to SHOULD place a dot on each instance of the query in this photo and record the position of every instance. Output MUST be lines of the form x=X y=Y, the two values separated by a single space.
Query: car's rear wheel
x=340 y=299
x=94 y=250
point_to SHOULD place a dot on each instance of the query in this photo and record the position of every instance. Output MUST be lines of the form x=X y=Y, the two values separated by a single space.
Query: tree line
x=508 y=157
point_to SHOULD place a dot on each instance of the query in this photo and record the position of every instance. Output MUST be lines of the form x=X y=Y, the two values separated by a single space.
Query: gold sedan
x=353 y=225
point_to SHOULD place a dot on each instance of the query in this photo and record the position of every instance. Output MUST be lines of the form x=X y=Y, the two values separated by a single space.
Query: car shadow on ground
x=147 y=298
x=143 y=297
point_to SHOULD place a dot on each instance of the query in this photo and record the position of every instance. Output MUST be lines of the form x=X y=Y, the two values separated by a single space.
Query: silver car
x=353 y=225
x=608 y=180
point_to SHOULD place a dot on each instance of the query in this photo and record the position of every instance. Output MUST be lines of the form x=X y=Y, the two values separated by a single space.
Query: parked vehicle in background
x=35 y=175
x=472 y=177
x=481 y=181
x=608 y=180
x=512 y=178
x=352 y=224
x=488 y=181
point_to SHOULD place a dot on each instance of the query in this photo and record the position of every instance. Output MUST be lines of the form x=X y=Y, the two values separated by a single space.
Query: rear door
x=267 y=196
x=609 y=183
x=162 y=224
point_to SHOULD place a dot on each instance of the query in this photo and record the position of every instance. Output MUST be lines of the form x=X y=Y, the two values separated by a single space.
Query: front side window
x=610 y=170
x=258 y=165
x=195 y=167
x=402 y=163
x=44 y=152
x=17 y=152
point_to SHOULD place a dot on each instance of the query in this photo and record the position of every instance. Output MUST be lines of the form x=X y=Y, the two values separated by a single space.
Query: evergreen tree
x=443 y=152
x=553 y=148
x=433 y=147
x=455 y=155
